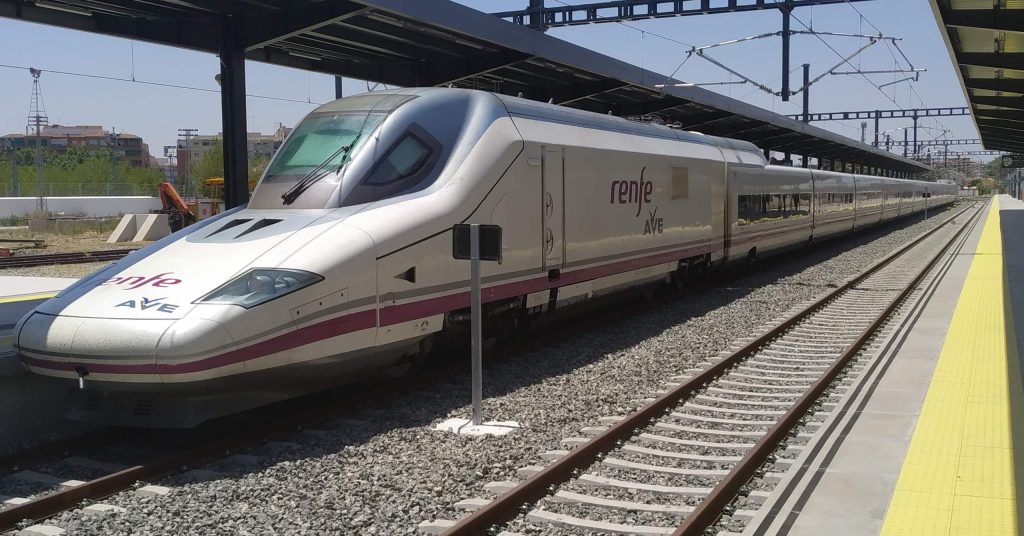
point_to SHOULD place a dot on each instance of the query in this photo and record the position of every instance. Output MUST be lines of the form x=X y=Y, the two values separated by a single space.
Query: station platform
x=929 y=440
x=18 y=295
x=31 y=407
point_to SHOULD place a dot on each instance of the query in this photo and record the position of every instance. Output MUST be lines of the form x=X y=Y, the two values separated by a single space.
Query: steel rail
x=507 y=506
x=710 y=509
x=64 y=258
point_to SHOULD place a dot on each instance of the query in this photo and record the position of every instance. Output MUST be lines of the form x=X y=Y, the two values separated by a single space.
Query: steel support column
x=877 y=114
x=807 y=93
x=338 y=92
x=785 y=48
x=232 y=109
x=905 y=143
x=916 y=149
x=537 y=15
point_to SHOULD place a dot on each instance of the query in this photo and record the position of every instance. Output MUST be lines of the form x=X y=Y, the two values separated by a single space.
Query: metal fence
x=80 y=189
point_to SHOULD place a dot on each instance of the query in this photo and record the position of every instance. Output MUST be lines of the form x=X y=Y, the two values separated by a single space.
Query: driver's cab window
x=405 y=159
x=405 y=167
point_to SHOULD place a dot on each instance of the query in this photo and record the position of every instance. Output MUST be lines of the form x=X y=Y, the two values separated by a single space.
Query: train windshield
x=321 y=145
x=316 y=143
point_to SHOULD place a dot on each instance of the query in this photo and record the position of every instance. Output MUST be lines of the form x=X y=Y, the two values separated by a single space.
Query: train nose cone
x=104 y=349
x=116 y=352
x=196 y=349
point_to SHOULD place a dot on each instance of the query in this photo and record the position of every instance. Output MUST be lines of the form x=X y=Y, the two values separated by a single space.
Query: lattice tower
x=37 y=119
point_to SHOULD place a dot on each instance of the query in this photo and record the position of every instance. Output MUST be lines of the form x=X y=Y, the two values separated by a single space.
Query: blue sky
x=156 y=112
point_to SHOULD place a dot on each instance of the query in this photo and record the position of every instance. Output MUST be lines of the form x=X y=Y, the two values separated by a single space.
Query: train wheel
x=505 y=326
x=413 y=360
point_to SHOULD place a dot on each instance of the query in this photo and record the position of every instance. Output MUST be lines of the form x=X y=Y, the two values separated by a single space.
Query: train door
x=552 y=206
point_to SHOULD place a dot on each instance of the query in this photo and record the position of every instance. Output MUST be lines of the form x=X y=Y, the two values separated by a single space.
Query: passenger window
x=403 y=160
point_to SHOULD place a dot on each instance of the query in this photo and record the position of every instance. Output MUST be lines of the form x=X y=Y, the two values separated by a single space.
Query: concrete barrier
x=125 y=230
x=139 y=227
x=152 y=227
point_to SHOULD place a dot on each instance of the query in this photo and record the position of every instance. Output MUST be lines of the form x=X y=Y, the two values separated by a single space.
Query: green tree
x=257 y=164
x=77 y=171
x=210 y=165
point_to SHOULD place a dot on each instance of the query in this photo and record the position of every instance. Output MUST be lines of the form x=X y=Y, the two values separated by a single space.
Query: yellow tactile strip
x=960 y=475
x=28 y=297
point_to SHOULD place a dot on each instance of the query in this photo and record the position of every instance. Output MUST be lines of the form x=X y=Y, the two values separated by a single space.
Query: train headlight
x=260 y=285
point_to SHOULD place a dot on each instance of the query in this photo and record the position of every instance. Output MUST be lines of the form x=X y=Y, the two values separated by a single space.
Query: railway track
x=68 y=473
x=81 y=470
x=702 y=457
x=63 y=258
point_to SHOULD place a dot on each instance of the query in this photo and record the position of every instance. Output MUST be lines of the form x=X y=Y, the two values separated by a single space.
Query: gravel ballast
x=387 y=470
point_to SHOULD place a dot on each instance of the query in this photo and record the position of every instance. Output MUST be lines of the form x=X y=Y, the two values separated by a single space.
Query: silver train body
x=355 y=272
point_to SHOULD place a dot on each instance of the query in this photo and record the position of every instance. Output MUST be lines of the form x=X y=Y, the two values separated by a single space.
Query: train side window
x=405 y=167
x=749 y=208
x=404 y=159
x=803 y=204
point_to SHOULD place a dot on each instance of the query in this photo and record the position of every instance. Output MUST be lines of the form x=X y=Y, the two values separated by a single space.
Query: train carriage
x=341 y=266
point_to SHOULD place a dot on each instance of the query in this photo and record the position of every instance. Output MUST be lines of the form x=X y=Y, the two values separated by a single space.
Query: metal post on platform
x=905 y=142
x=476 y=329
x=338 y=93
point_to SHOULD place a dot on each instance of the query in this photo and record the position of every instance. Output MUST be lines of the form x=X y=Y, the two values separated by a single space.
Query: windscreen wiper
x=318 y=172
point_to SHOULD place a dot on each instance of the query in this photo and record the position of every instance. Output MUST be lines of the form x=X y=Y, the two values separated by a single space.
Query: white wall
x=99 y=206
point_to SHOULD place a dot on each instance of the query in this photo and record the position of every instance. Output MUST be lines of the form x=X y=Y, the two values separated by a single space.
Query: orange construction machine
x=178 y=213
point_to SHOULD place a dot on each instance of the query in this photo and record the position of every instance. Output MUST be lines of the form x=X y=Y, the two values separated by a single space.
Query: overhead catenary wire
x=153 y=83
x=895 y=59
x=837 y=53
x=755 y=86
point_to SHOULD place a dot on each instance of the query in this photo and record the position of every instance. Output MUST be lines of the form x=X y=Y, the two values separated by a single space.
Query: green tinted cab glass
x=317 y=138
x=326 y=130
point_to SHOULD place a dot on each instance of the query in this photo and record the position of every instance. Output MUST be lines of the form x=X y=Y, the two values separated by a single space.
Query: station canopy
x=985 y=40
x=440 y=43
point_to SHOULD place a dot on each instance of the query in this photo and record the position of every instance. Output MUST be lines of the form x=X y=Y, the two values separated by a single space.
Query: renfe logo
x=134 y=282
x=639 y=192
x=631 y=191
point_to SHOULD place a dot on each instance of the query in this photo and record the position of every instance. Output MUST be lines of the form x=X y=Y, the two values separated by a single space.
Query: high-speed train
x=341 y=263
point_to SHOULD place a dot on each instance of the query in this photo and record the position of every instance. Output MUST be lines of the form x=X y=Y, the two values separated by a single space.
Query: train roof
x=563 y=114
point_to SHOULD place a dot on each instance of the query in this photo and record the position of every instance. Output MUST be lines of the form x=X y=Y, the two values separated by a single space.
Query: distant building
x=165 y=166
x=89 y=137
x=257 y=144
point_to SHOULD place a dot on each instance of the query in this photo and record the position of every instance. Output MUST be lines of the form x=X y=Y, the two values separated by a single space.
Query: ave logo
x=654 y=225
x=149 y=303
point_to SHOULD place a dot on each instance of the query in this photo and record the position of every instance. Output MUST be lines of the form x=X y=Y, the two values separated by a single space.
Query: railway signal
x=476 y=243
